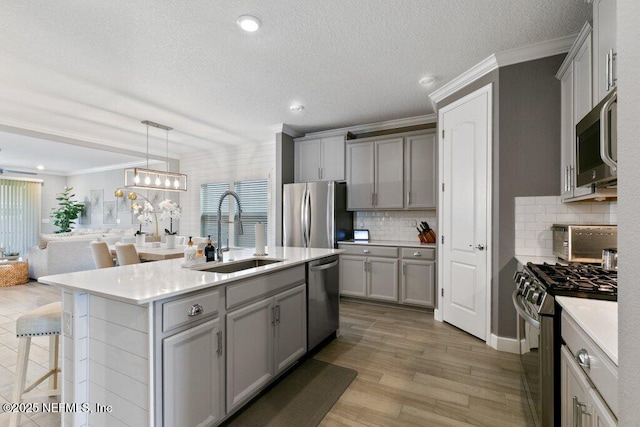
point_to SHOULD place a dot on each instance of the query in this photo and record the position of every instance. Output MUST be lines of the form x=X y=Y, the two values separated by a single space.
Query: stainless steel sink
x=232 y=267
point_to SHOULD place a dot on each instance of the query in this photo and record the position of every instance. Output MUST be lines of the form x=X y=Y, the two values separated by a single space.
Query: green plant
x=67 y=211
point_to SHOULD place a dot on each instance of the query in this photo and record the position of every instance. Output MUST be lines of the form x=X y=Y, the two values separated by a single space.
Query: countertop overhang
x=151 y=281
x=398 y=243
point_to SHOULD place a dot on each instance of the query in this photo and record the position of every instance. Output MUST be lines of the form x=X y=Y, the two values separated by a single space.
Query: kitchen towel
x=259 y=238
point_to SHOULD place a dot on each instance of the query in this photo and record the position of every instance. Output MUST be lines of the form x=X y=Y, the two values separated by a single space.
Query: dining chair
x=127 y=254
x=101 y=255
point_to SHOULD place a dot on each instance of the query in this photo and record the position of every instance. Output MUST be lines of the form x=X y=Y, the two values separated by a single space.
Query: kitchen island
x=160 y=345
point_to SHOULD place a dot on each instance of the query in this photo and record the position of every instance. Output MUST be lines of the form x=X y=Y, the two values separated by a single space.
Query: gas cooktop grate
x=581 y=280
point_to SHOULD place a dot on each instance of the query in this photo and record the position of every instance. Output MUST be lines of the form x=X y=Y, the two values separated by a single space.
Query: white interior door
x=465 y=201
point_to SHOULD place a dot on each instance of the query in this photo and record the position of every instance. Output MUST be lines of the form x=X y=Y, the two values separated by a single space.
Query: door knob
x=480 y=247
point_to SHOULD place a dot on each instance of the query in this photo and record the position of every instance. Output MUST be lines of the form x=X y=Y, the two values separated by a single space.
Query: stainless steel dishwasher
x=323 y=300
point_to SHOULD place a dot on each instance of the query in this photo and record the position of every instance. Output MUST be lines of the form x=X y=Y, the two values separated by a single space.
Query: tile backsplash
x=394 y=225
x=536 y=215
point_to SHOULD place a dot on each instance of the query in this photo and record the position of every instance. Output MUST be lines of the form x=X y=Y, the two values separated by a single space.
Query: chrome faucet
x=219 y=250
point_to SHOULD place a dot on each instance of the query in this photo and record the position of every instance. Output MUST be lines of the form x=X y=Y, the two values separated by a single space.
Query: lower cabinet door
x=418 y=283
x=602 y=416
x=383 y=279
x=192 y=368
x=291 y=332
x=575 y=392
x=249 y=351
x=353 y=276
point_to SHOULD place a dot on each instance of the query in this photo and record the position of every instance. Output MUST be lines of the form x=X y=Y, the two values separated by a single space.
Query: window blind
x=254 y=198
x=19 y=215
x=209 y=196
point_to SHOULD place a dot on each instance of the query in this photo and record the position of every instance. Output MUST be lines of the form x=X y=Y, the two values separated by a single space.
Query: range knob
x=535 y=297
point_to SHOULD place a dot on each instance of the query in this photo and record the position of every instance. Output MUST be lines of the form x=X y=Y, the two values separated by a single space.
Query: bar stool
x=44 y=320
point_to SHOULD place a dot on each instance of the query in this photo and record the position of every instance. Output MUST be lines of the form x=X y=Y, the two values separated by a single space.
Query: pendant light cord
x=147 y=146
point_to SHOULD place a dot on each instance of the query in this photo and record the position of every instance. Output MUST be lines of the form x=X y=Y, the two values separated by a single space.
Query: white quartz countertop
x=394 y=243
x=599 y=320
x=150 y=281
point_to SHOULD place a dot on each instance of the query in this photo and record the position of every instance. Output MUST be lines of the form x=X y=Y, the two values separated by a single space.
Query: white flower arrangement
x=169 y=210
x=145 y=213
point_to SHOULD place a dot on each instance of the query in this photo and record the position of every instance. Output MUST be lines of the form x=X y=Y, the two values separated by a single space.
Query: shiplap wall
x=226 y=164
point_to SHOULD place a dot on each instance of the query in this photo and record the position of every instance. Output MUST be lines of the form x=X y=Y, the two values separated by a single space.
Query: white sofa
x=69 y=252
x=61 y=256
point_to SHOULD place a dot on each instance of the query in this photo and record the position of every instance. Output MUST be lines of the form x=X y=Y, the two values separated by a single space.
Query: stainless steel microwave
x=597 y=144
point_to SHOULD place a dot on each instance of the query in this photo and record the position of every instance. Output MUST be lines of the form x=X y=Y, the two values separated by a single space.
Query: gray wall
x=284 y=175
x=526 y=162
x=628 y=29
x=529 y=165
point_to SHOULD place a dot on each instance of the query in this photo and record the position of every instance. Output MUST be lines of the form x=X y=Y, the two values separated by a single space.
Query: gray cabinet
x=417 y=286
x=319 y=159
x=421 y=177
x=372 y=272
x=290 y=327
x=249 y=351
x=389 y=178
x=360 y=175
x=574 y=392
x=604 y=48
x=263 y=339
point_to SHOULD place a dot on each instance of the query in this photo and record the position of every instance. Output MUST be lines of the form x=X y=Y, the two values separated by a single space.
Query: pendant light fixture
x=151 y=179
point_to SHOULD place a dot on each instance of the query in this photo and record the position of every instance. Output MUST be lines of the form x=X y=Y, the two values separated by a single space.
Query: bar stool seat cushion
x=44 y=320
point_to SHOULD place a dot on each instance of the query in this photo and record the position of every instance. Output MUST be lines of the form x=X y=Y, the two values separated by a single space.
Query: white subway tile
x=569 y=218
x=546 y=217
x=525 y=200
x=547 y=200
x=531 y=243
x=520 y=209
x=519 y=226
x=556 y=209
x=525 y=234
x=600 y=208
x=525 y=218
x=527 y=251
x=519 y=243
x=592 y=218
x=534 y=209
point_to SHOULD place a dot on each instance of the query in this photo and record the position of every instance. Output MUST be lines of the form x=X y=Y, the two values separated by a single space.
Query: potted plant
x=145 y=215
x=169 y=210
x=67 y=212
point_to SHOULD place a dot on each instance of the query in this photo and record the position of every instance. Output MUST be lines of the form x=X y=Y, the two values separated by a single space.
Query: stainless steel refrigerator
x=314 y=214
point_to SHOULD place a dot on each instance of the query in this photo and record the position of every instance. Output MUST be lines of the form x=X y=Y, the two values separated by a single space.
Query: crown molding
x=373 y=127
x=285 y=128
x=584 y=33
x=502 y=59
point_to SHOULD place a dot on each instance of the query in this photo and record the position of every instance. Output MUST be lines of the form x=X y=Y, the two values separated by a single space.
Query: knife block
x=427 y=237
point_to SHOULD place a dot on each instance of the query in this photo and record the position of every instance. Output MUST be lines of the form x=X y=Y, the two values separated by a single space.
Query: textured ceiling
x=91 y=70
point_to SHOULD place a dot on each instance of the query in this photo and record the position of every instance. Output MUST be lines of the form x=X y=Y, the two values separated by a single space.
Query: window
x=209 y=196
x=19 y=214
x=254 y=198
x=253 y=195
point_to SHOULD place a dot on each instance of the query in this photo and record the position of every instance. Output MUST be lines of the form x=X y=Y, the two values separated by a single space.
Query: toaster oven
x=583 y=243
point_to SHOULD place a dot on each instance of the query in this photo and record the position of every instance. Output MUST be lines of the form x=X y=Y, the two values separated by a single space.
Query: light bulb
x=137 y=179
x=176 y=183
x=158 y=182
x=147 y=180
x=167 y=182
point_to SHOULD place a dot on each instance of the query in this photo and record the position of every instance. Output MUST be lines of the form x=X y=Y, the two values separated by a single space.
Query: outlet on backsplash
x=394 y=225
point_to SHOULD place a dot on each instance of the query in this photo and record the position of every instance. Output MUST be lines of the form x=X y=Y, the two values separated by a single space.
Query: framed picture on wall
x=85 y=214
x=97 y=198
x=109 y=214
x=123 y=204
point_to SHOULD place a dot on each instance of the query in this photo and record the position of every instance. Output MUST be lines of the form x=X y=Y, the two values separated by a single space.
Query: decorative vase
x=170 y=241
x=140 y=239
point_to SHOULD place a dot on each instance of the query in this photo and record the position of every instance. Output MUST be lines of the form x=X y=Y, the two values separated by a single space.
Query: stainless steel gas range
x=539 y=330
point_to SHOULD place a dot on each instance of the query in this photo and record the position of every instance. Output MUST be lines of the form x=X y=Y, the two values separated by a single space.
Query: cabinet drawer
x=367 y=250
x=265 y=285
x=189 y=309
x=602 y=372
x=421 y=253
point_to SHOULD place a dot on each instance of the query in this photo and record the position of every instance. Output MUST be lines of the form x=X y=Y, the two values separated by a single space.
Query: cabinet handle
x=408 y=198
x=366 y=251
x=219 y=335
x=611 y=79
x=321 y=172
x=319 y=175
x=372 y=200
x=273 y=315
x=277 y=313
x=571 y=183
x=578 y=412
x=583 y=359
x=566 y=179
x=418 y=253
x=404 y=269
x=606 y=73
x=375 y=198
x=195 y=310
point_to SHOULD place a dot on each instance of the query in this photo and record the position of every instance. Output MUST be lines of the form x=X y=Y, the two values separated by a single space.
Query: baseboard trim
x=508 y=345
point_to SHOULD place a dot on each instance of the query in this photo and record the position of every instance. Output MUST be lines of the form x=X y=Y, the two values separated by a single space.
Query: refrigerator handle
x=303 y=216
x=308 y=219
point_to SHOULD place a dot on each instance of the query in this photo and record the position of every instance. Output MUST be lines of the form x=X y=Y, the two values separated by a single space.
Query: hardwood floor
x=413 y=370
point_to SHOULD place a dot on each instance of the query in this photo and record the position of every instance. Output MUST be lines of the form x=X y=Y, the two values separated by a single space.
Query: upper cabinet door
x=332 y=164
x=307 y=162
x=604 y=48
x=420 y=171
x=360 y=175
x=582 y=81
x=389 y=188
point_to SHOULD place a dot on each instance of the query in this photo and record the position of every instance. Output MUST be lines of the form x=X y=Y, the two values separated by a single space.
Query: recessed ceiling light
x=40 y=167
x=296 y=108
x=249 y=23
x=427 y=81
